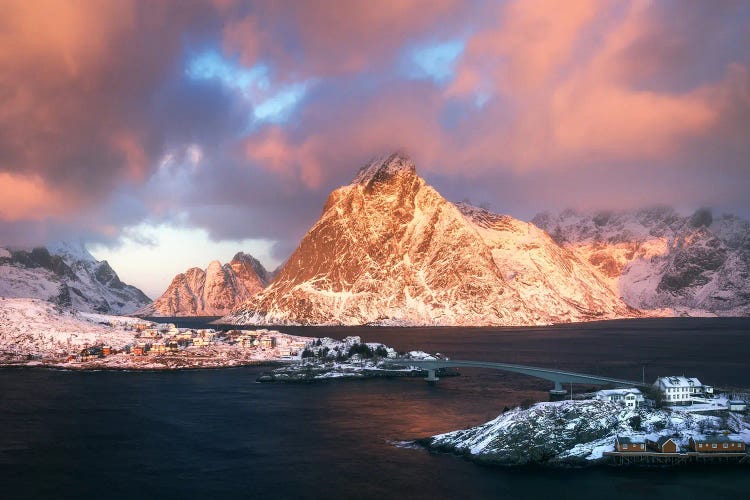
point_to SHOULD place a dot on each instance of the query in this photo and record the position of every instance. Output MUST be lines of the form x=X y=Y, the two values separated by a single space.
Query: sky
x=166 y=134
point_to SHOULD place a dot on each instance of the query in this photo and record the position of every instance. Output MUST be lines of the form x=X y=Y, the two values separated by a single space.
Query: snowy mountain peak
x=68 y=275
x=385 y=168
x=657 y=259
x=482 y=216
x=71 y=250
x=389 y=249
x=214 y=266
x=243 y=260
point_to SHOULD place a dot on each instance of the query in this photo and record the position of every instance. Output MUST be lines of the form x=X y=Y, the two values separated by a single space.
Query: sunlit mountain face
x=197 y=131
x=388 y=249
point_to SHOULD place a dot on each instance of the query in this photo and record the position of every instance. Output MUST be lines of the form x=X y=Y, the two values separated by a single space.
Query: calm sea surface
x=217 y=433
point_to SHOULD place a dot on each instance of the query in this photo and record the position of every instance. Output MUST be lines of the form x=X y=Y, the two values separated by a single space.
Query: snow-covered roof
x=717 y=438
x=661 y=440
x=630 y=440
x=617 y=392
x=679 y=381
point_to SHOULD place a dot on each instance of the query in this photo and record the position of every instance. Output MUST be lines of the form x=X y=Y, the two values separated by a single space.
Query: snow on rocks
x=662 y=262
x=390 y=250
x=36 y=328
x=572 y=432
x=34 y=332
x=214 y=291
x=68 y=275
x=328 y=358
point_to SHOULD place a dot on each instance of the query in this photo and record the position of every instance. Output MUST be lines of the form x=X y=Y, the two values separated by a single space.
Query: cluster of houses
x=167 y=338
x=718 y=443
x=674 y=391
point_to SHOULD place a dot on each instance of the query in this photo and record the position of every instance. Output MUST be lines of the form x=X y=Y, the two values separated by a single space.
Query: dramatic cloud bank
x=237 y=118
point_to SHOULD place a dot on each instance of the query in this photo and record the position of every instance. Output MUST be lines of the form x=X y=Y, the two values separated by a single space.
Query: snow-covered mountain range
x=389 y=249
x=211 y=292
x=658 y=259
x=68 y=275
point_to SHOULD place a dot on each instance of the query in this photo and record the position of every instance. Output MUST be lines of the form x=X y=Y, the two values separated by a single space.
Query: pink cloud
x=567 y=75
x=324 y=37
x=29 y=197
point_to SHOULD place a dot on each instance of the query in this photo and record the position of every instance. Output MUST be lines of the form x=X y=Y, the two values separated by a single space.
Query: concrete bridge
x=558 y=377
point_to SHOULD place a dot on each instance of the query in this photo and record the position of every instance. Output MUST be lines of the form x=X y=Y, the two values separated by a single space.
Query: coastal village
x=164 y=344
x=683 y=394
x=37 y=333
x=166 y=338
x=677 y=420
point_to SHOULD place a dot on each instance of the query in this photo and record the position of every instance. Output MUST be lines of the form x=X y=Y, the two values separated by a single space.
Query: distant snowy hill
x=657 y=259
x=68 y=275
x=211 y=292
x=40 y=328
x=388 y=249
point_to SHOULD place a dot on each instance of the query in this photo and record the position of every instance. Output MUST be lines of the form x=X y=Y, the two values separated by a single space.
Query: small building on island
x=664 y=444
x=717 y=444
x=682 y=390
x=631 y=398
x=629 y=444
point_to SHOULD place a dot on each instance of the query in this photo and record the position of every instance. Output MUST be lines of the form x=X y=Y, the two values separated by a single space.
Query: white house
x=737 y=405
x=631 y=398
x=682 y=390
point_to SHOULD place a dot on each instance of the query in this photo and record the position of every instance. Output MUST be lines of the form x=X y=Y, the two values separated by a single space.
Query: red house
x=717 y=444
x=663 y=445
x=629 y=445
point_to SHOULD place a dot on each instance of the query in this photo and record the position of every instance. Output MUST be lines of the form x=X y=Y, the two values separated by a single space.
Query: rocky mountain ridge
x=211 y=292
x=389 y=249
x=658 y=259
x=68 y=275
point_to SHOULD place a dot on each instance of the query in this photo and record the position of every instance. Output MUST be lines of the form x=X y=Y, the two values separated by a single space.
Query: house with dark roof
x=717 y=444
x=664 y=444
x=629 y=444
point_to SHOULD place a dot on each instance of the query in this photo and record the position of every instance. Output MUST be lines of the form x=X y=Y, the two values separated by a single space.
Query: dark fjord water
x=217 y=433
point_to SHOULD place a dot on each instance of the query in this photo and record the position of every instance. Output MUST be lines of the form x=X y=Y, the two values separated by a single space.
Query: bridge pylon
x=558 y=393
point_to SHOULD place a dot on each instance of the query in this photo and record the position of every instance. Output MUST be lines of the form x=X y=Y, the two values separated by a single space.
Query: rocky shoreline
x=576 y=433
x=151 y=366
x=307 y=373
x=350 y=358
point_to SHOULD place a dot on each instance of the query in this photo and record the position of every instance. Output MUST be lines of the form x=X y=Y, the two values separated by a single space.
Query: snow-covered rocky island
x=583 y=432
x=327 y=358
x=35 y=332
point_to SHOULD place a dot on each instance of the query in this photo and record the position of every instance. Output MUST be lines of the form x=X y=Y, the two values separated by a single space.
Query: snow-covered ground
x=328 y=358
x=39 y=329
x=36 y=332
x=579 y=432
